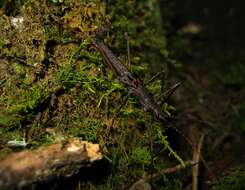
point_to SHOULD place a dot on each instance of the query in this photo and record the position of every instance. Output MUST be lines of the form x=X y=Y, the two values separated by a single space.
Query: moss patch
x=54 y=84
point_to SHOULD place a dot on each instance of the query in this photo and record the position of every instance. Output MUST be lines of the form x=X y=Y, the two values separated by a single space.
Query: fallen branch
x=25 y=168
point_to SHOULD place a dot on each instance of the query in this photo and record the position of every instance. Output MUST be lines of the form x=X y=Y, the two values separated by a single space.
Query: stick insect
x=135 y=85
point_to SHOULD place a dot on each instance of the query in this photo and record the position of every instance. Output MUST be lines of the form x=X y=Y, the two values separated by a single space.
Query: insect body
x=135 y=85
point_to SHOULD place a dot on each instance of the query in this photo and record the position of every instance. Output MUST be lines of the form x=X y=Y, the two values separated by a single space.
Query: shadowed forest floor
x=211 y=97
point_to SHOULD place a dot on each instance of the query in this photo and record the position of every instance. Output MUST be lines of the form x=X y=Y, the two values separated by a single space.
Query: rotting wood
x=23 y=169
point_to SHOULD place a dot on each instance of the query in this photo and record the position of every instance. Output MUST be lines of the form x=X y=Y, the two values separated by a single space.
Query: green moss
x=54 y=80
x=141 y=156
x=14 y=135
x=235 y=75
x=25 y=101
x=87 y=130
x=235 y=180
x=9 y=119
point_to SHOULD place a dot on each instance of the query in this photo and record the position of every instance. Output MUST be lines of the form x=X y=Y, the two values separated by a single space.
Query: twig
x=154 y=77
x=143 y=183
x=128 y=50
x=169 y=93
x=205 y=164
x=196 y=158
x=170 y=170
